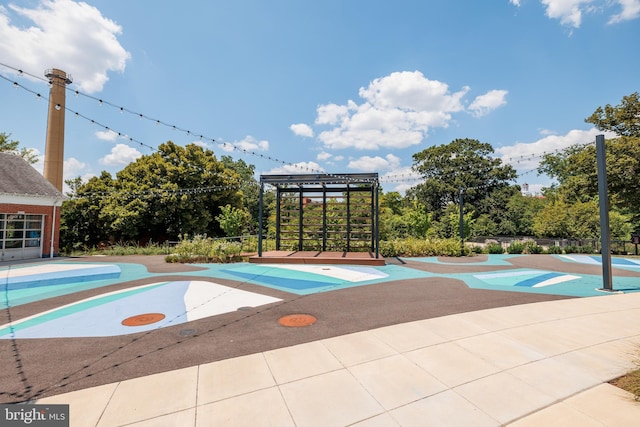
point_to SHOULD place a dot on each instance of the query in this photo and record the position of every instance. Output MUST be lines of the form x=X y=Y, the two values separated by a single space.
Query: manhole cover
x=143 y=319
x=297 y=320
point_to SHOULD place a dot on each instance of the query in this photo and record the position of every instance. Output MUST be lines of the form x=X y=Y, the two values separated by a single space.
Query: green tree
x=576 y=171
x=176 y=190
x=418 y=220
x=623 y=119
x=464 y=164
x=517 y=217
x=8 y=145
x=82 y=220
x=392 y=200
x=553 y=221
x=250 y=189
x=233 y=221
x=448 y=226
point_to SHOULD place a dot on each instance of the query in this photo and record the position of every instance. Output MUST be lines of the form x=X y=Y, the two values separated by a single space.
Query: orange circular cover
x=297 y=320
x=143 y=319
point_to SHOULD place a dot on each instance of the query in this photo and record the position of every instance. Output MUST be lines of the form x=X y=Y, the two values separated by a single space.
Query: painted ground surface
x=546 y=281
x=167 y=303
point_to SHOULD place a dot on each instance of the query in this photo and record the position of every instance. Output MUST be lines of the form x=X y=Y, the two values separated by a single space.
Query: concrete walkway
x=544 y=363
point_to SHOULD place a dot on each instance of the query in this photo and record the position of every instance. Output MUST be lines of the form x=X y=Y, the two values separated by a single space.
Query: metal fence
x=618 y=247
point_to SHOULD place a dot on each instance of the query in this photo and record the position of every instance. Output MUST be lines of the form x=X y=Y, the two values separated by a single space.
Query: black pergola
x=324 y=212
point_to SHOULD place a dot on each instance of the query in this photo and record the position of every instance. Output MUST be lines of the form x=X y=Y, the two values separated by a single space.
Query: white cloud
x=484 y=104
x=630 y=11
x=107 y=135
x=400 y=180
x=248 y=144
x=525 y=156
x=67 y=34
x=373 y=164
x=302 y=129
x=397 y=112
x=323 y=156
x=515 y=2
x=331 y=114
x=301 y=167
x=200 y=143
x=120 y=155
x=570 y=12
x=547 y=132
x=73 y=167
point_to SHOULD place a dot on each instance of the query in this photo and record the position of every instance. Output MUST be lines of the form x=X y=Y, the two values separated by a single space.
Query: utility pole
x=604 y=214
x=461 y=201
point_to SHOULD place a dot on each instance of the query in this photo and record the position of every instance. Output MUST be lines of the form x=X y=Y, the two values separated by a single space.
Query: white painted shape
x=204 y=299
x=556 y=280
x=55 y=268
x=17 y=322
x=508 y=274
x=361 y=274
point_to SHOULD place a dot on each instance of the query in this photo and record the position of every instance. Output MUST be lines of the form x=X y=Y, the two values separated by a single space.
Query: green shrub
x=515 y=248
x=204 y=249
x=534 y=249
x=476 y=249
x=414 y=247
x=571 y=249
x=495 y=248
x=587 y=249
x=554 y=250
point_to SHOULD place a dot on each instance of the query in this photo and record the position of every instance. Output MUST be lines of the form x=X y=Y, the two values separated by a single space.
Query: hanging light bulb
x=15 y=85
x=58 y=107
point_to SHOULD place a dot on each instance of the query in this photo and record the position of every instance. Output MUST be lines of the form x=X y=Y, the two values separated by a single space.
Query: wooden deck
x=314 y=257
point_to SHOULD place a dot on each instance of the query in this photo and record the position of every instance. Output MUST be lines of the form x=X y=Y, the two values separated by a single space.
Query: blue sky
x=337 y=86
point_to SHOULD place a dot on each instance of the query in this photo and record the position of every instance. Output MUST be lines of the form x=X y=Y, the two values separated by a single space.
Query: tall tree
x=465 y=164
x=576 y=171
x=176 y=190
x=82 y=221
x=623 y=119
x=12 y=146
x=250 y=189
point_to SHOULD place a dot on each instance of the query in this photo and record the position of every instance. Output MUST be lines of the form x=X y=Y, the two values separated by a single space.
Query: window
x=20 y=231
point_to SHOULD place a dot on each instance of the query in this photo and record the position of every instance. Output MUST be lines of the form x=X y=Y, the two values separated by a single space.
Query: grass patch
x=630 y=383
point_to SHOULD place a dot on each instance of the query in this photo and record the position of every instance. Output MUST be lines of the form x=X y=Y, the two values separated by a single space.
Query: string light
x=227 y=146
x=155 y=192
x=160 y=122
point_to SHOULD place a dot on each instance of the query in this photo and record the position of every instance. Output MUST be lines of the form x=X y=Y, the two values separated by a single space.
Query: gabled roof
x=18 y=177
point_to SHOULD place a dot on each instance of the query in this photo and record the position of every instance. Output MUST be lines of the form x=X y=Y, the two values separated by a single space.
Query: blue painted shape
x=493 y=259
x=280 y=281
x=532 y=281
x=50 y=278
x=623 y=261
x=103 y=316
